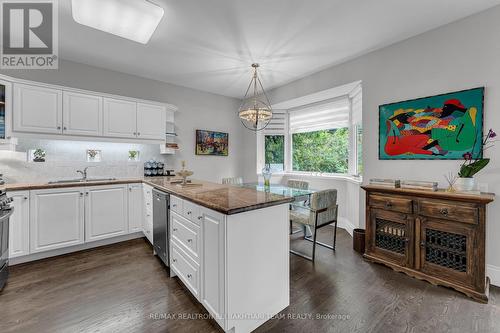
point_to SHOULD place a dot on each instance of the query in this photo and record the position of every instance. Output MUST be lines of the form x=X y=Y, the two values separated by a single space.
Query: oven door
x=4 y=236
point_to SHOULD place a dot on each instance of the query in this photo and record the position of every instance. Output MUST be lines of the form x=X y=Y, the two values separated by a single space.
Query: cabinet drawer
x=392 y=203
x=191 y=212
x=176 y=204
x=455 y=211
x=187 y=234
x=186 y=269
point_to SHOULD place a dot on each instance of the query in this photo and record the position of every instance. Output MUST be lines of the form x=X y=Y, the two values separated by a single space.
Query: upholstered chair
x=302 y=185
x=322 y=211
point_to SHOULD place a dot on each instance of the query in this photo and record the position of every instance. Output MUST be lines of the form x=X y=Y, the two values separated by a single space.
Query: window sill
x=348 y=178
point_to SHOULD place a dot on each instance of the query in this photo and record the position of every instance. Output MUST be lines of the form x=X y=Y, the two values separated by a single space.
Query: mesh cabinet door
x=390 y=236
x=446 y=249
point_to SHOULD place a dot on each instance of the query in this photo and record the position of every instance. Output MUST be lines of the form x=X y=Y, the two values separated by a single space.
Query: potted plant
x=39 y=155
x=471 y=166
x=133 y=155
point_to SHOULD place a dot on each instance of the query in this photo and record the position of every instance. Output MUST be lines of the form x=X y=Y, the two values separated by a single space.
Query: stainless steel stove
x=5 y=212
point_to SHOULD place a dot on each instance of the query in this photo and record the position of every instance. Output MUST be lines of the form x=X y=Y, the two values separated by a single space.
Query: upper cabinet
x=151 y=121
x=120 y=118
x=37 y=109
x=60 y=111
x=82 y=114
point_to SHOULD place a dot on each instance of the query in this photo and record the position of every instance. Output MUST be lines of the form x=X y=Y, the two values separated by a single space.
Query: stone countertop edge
x=279 y=200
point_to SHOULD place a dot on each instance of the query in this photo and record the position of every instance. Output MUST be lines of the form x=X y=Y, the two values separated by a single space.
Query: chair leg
x=314 y=243
x=290 y=227
x=335 y=236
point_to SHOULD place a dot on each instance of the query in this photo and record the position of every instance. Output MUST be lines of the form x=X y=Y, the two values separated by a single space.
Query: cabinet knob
x=444 y=211
x=174 y=205
x=189 y=213
x=58 y=127
x=138 y=133
x=422 y=243
x=25 y=198
x=189 y=276
x=200 y=217
x=81 y=194
x=135 y=133
x=388 y=204
x=190 y=240
x=64 y=128
x=174 y=229
x=174 y=260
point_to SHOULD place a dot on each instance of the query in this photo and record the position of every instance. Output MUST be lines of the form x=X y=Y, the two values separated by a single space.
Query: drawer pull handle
x=200 y=217
x=174 y=205
x=174 y=260
x=174 y=230
x=190 y=240
x=189 y=276
x=388 y=204
x=189 y=212
x=444 y=211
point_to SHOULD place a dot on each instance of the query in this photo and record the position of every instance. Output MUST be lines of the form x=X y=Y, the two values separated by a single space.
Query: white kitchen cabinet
x=135 y=208
x=19 y=224
x=213 y=271
x=56 y=218
x=106 y=212
x=151 y=121
x=120 y=118
x=37 y=109
x=82 y=114
x=147 y=226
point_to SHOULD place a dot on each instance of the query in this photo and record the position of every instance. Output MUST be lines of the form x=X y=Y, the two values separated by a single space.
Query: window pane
x=321 y=151
x=275 y=152
x=359 y=148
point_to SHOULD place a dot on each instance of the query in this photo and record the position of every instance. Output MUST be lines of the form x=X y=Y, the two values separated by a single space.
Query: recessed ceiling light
x=131 y=19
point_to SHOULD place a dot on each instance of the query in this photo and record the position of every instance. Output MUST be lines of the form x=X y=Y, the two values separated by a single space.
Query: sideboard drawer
x=458 y=212
x=176 y=204
x=392 y=203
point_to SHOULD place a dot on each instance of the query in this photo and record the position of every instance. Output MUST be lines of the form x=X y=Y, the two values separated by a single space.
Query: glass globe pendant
x=255 y=111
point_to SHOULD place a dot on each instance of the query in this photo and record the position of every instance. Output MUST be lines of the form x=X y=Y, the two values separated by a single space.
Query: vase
x=266 y=173
x=463 y=184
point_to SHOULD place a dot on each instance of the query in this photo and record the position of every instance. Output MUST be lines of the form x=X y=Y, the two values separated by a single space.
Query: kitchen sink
x=80 y=180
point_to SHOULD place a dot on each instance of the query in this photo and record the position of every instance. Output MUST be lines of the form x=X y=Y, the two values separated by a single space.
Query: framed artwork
x=441 y=127
x=211 y=143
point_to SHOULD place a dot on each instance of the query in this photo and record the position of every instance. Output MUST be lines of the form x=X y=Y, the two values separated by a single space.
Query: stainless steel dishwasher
x=161 y=205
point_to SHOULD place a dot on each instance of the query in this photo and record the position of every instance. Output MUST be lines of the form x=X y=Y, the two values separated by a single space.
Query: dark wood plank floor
x=123 y=288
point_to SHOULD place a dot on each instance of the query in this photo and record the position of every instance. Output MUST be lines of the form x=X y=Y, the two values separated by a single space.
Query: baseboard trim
x=65 y=250
x=493 y=272
x=344 y=223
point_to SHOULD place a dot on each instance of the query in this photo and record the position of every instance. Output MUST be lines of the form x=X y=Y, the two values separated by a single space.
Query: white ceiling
x=210 y=44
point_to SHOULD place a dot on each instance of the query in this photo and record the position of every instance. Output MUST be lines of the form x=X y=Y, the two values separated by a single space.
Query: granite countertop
x=226 y=199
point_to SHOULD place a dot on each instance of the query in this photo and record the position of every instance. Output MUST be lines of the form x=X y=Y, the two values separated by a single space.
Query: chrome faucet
x=83 y=173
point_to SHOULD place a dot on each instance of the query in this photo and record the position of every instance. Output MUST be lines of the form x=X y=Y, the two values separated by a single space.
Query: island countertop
x=226 y=199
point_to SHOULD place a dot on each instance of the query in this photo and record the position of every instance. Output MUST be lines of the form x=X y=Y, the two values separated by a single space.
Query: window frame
x=353 y=168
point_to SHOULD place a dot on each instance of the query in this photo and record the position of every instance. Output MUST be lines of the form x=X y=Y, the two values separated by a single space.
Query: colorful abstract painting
x=211 y=143
x=439 y=127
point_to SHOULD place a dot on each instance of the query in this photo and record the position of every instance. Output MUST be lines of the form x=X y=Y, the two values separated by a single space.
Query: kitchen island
x=228 y=245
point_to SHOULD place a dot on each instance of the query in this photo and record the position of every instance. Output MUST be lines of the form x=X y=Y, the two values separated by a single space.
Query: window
x=320 y=138
x=275 y=152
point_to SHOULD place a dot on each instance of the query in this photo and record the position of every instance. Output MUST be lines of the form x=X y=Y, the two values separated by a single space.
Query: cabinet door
x=19 y=225
x=151 y=121
x=213 y=263
x=106 y=212
x=390 y=237
x=135 y=208
x=120 y=118
x=37 y=109
x=447 y=250
x=56 y=218
x=82 y=114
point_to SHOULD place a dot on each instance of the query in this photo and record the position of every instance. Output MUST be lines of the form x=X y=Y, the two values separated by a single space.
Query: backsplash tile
x=63 y=158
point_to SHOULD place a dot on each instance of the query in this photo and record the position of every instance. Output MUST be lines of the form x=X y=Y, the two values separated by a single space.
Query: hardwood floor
x=123 y=288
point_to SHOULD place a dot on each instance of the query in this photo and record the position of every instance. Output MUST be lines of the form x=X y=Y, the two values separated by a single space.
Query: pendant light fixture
x=255 y=111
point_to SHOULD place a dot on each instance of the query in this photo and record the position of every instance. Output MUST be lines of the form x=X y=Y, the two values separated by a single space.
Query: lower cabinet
x=106 y=212
x=213 y=272
x=135 y=208
x=19 y=224
x=56 y=218
x=147 y=222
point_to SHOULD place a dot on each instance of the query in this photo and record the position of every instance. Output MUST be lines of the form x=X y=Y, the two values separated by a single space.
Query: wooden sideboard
x=434 y=236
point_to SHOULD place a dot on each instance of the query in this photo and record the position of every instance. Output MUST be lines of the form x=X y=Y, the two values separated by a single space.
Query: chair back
x=300 y=184
x=326 y=199
x=232 y=180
